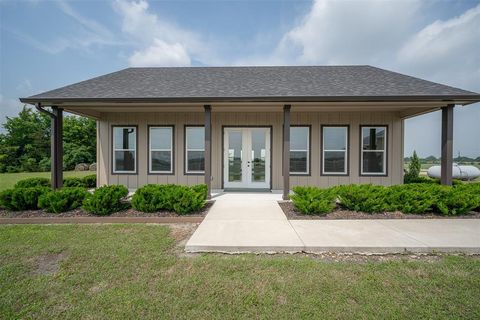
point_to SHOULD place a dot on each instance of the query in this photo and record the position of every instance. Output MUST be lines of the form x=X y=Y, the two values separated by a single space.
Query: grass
x=7 y=180
x=134 y=271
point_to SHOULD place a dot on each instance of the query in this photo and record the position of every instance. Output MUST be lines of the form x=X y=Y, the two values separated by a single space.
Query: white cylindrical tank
x=458 y=172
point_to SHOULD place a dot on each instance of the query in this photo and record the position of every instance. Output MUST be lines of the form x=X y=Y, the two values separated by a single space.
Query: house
x=267 y=128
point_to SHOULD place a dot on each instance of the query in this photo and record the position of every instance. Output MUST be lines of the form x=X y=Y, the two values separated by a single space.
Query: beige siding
x=274 y=119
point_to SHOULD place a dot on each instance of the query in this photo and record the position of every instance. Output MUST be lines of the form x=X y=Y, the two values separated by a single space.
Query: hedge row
x=89 y=181
x=171 y=197
x=417 y=198
x=104 y=200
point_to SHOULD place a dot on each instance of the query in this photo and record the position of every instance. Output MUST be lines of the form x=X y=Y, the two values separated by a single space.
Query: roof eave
x=465 y=99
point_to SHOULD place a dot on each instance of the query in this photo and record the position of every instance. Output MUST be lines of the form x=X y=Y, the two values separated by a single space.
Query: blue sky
x=47 y=44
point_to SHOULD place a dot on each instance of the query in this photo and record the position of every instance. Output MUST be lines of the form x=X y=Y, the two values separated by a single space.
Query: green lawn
x=134 y=271
x=7 y=180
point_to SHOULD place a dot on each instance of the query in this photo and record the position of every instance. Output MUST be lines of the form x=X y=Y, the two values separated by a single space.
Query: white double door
x=246 y=158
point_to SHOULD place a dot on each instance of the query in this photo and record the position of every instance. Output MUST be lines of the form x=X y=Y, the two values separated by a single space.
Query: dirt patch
x=48 y=264
x=82 y=213
x=338 y=214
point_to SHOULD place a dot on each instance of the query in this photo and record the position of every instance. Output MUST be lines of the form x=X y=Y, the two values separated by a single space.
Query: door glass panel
x=235 y=156
x=258 y=155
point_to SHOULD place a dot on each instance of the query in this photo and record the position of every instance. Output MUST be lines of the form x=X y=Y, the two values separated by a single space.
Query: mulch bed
x=338 y=214
x=82 y=213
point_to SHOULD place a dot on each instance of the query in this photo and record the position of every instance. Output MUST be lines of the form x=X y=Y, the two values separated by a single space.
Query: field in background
x=8 y=180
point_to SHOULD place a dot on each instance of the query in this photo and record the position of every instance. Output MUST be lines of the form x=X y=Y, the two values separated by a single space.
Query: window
x=335 y=145
x=373 y=150
x=195 y=149
x=124 y=149
x=160 y=149
x=299 y=150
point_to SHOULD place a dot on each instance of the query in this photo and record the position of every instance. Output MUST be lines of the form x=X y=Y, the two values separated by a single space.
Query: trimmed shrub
x=22 y=198
x=73 y=182
x=90 y=181
x=413 y=198
x=202 y=189
x=106 y=200
x=181 y=199
x=33 y=182
x=363 y=197
x=311 y=200
x=457 y=200
x=65 y=199
x=408 y=179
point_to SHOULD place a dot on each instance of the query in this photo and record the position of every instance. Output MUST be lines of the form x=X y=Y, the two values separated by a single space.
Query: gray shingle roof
x=295 y=83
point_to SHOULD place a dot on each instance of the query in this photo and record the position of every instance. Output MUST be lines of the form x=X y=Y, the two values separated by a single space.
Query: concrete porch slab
x=235 y=236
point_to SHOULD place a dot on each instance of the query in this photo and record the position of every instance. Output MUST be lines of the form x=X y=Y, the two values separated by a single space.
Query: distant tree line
x=433 y=159
x=25 y=144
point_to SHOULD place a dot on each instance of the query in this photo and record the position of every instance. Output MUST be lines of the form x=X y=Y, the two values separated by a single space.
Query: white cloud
x=160 y=53
x=446 y=51
x=8 y=108
x=348 y=32
x=162 y=42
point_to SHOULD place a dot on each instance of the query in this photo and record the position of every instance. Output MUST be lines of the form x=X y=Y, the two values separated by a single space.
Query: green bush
x=413 y=198
x=73 y=182
x=460 y=199
x=33 y=182
x=22 y=198
x=363 y=197
x=202 y=189
x=65 y=199
x=181 y=199
x=311 y=200
x=90 y=181
x=106 y=200
x=408 y=179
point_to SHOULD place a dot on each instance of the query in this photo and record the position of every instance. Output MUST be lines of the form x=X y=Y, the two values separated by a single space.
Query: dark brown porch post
x=208 y=149
x=447 y=145
x=286 y=151
x=57 y=147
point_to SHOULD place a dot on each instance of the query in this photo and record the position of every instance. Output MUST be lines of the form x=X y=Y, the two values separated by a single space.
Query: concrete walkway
x=248 y=222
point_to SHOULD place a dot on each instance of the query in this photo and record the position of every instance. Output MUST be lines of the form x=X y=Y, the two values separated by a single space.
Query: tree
x=413 y=168
x=25 y=145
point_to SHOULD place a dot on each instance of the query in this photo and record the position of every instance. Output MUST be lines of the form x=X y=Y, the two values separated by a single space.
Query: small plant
x=65 y=199
x=312 y=200
x=33 y=182
x=181 y=199
x=413 y=168
x=106 y=200
x=90 y=181
x=73 y=182
x=458 y=200
x=17 y=199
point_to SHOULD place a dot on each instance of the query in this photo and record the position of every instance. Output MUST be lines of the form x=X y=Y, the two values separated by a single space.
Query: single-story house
x=266 y=128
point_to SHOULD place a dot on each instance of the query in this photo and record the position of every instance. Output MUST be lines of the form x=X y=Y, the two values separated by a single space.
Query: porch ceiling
x=404 y=109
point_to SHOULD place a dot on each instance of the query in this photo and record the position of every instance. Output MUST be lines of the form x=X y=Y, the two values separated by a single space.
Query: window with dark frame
x=335 y=150
x=160 y=149
x=373 y=150
x=124 y=149
x=299 y=150
x=195 y=149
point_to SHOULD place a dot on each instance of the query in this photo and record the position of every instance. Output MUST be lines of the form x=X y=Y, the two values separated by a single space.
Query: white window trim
x=150 y=149
x=384 y=150
x=134 y=171
x=345 y=172
x=187 y=150
x=302 y=150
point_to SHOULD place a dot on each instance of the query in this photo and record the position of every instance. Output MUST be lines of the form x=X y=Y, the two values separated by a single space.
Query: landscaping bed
x=293 y=213
x=33 y=198
x=79 y=212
